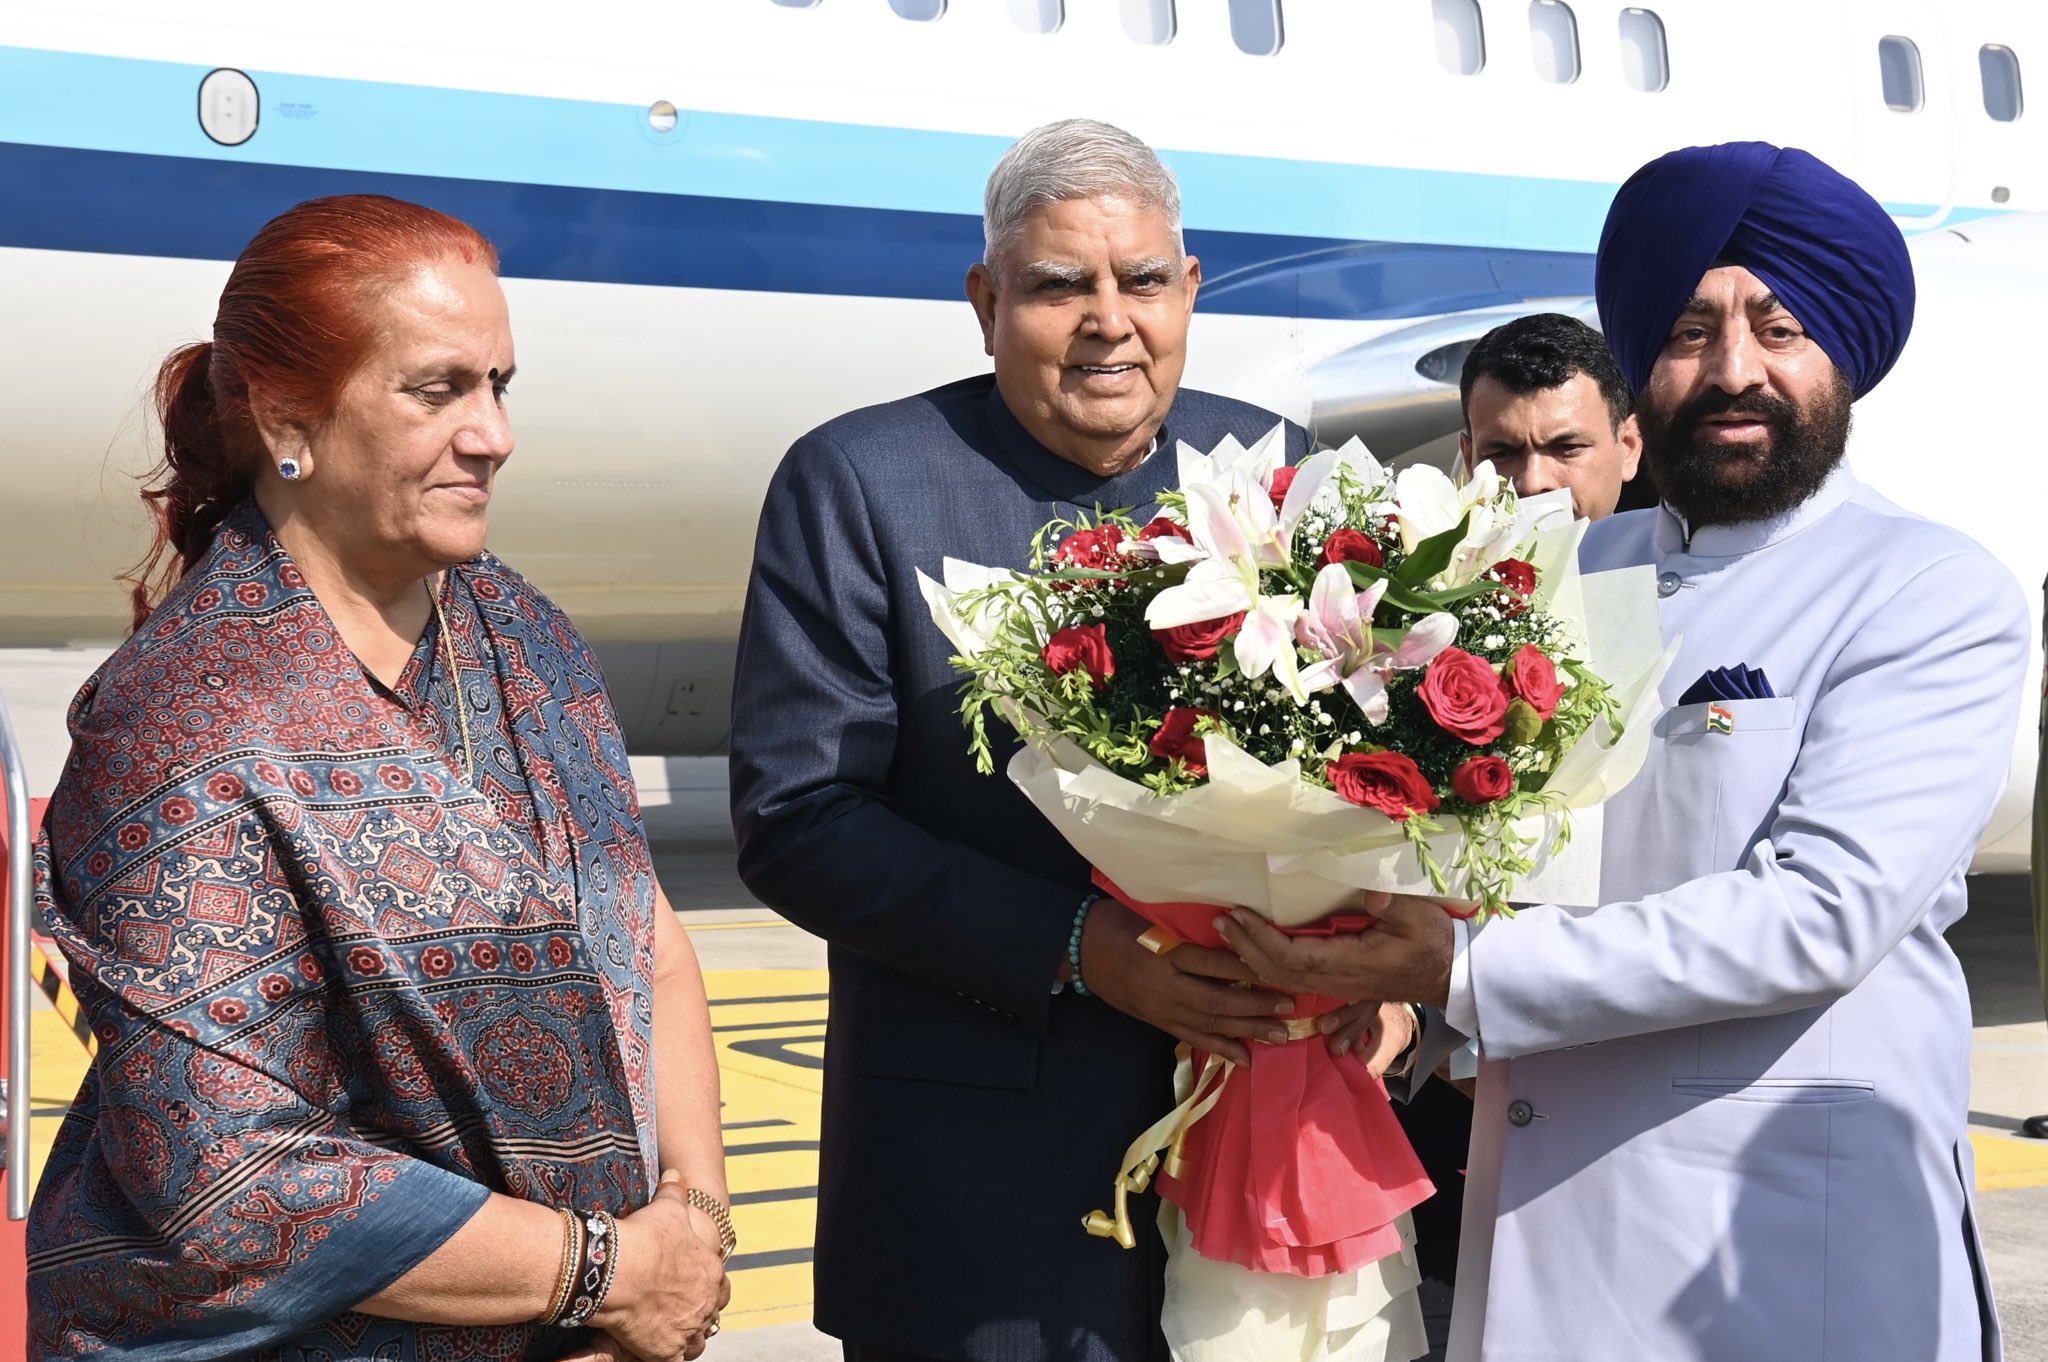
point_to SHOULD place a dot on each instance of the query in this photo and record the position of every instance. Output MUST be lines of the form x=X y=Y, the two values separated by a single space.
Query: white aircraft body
x=724 y=221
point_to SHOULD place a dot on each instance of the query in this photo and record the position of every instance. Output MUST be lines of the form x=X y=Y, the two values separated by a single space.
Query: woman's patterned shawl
x=341 y=992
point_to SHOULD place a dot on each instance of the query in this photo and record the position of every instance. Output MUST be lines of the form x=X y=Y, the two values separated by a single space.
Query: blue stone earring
x=288 y=468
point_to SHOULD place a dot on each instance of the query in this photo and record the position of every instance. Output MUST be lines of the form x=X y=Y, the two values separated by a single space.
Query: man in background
x=1546 y=404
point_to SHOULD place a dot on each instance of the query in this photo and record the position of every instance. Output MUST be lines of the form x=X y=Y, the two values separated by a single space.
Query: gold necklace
x=455 y=680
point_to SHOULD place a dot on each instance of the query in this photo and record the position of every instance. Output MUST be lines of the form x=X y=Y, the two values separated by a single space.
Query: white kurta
x=1723 y=1116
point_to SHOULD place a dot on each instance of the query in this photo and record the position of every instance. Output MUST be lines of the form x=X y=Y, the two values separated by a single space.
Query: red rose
x=1351 y=546
x=1161 y=528
x=1387 y=781
x=1481 y=780
x=1098 y=548
x=1086 y=649
x=1197 y=642
x=1516 y=575
x=1176 y=738
x=1532 y=676
x=1464 y=696
x=1277 y=485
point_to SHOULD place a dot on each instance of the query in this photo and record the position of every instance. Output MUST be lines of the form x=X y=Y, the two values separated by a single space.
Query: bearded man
x=1722 y=1115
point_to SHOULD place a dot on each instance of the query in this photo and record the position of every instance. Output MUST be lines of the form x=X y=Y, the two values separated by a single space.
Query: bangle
x=565 y=1278
x=596 y=1260
x=1074 y=943
x=721 y=1216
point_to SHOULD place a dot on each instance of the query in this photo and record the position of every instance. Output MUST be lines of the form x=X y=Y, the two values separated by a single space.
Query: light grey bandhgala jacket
x=1722 y=1116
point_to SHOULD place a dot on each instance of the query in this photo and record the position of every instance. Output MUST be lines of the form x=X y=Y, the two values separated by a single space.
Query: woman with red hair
x=401 y=1052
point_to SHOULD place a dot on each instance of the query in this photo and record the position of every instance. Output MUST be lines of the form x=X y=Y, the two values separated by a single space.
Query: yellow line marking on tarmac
x=769 y=1027
x=2004 y=1163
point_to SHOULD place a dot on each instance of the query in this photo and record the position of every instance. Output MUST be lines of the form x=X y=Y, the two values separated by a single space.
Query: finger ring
x=712 y=1332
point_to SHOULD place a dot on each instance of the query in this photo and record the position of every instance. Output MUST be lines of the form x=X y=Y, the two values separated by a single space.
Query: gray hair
x=1075 y=158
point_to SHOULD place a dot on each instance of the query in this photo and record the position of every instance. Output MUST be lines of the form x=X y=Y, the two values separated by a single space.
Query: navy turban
x=1827 y=249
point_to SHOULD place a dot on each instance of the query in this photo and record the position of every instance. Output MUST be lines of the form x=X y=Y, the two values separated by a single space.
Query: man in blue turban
x=1723 y=1115
x=1823 y=280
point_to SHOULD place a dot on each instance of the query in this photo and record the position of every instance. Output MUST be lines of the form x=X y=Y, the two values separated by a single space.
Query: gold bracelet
x=721 y=1216
x=566 y=1280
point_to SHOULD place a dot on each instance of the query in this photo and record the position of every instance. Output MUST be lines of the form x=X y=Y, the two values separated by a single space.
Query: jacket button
x=1520 y=1113
x=1667 y=584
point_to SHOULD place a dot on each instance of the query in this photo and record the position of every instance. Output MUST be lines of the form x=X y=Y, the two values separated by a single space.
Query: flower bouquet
x=1297 y=682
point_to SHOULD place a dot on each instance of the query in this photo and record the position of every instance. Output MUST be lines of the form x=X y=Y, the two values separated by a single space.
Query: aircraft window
x=1255 y=26
x=1149 y=21
x=1554 y=41
x=229 y=106
x=1645 y=61
x=1460 y=36
x=924 y=11
x=1898 y=61
x=2000 y=68
x=1038 y=16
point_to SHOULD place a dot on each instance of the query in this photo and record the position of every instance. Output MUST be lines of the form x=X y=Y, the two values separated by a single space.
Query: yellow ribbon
x=1158 y=940
x=1166 y=1135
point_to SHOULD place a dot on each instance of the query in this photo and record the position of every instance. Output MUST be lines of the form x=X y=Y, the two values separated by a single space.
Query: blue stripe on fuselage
x=102 y=103
x=200 y=208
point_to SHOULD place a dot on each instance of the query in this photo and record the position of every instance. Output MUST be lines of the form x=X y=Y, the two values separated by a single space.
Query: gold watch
x=721 y=1216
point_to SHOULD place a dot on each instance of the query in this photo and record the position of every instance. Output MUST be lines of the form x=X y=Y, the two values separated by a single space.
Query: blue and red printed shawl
x=341 y=992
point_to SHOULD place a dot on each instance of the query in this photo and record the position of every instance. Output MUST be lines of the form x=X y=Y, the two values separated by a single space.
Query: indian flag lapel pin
x=1720 y=719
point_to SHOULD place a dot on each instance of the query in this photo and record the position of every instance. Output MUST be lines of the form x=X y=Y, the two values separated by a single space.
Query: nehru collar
x=1674 y=537
x=1061 y=479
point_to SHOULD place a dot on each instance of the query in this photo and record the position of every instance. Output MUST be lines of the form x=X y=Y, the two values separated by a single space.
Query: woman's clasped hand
x=670 y=1285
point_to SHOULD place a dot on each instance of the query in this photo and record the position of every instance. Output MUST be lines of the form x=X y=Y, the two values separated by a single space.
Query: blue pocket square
x=1728 y=683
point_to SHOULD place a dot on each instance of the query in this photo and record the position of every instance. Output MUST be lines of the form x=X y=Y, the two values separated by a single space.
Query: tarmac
x=767 y=983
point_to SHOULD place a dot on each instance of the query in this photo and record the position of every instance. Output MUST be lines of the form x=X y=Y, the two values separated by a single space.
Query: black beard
x=1714 y=485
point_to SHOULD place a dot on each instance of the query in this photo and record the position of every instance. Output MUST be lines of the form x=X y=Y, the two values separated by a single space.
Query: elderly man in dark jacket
x=975 y=1106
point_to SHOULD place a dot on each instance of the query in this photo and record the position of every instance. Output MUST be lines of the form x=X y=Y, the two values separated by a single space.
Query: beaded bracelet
x=1074 y=943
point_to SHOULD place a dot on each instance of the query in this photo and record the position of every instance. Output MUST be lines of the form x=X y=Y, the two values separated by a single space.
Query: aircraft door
x=1903 y=83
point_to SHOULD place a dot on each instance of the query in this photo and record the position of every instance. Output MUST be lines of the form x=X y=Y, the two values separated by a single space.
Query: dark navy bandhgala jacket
x=971 y=1116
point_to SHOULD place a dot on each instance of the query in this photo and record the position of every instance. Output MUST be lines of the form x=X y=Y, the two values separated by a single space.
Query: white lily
x=1338 y=624
x=1235 y=534
x=1265 y=642
x=1429 y=504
